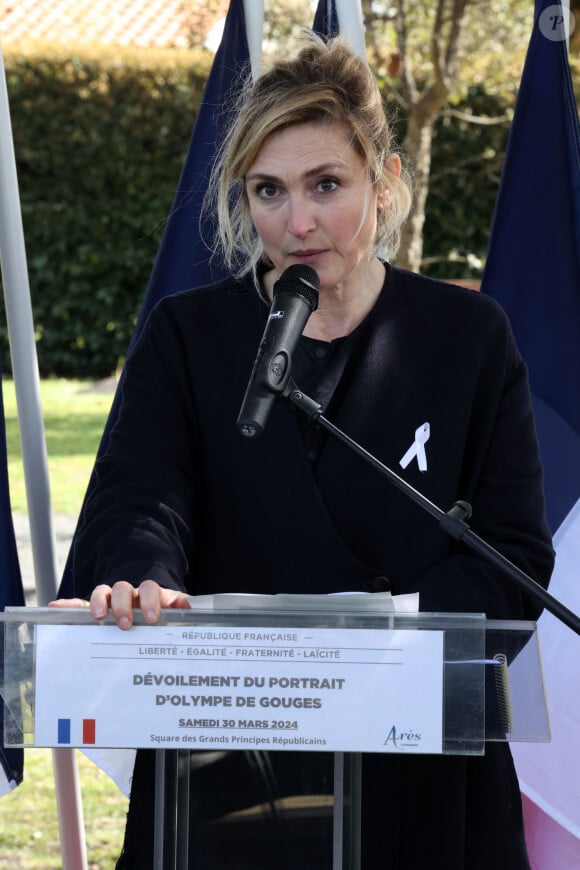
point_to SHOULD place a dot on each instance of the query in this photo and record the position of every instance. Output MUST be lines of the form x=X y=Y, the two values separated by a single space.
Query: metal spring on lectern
x=504 y=701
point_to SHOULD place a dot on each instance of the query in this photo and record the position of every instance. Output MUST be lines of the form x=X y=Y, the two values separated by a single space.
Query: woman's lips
x=308 y=255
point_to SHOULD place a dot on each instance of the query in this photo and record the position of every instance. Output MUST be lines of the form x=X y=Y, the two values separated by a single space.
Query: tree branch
x=436 y=37
x=484 y=120
x=451 y=51
x=408 y=84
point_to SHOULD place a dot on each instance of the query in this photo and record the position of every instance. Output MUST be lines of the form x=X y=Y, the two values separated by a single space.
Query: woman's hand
x=122 y=599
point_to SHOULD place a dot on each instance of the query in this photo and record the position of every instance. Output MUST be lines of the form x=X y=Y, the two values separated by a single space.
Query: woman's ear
x=384 y=195
x=394 y=165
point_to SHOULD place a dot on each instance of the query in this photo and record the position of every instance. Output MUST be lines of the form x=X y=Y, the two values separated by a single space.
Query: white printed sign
x=204 y=687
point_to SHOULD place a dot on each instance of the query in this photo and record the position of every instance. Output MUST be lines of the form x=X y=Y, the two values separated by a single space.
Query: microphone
x=295 y=298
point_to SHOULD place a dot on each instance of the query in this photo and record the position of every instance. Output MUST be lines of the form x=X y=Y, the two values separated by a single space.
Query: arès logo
x=556 y=23
x=402 y=740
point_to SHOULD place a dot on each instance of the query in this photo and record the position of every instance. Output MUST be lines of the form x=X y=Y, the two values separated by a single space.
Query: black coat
x=183 y=499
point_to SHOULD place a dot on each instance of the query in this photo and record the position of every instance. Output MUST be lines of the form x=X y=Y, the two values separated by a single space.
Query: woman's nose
x=301 y=220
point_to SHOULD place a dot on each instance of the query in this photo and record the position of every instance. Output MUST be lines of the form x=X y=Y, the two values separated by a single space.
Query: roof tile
x=143 y=23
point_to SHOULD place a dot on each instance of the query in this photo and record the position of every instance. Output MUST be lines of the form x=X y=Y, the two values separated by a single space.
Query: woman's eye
x=266 y=191
x=327 y=185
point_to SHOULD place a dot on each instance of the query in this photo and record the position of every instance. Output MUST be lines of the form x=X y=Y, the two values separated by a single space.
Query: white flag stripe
x=552 y=777
x=6 y=785
x=254 y=18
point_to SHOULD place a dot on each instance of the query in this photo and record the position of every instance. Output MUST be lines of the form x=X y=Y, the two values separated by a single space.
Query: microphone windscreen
x=300 y=280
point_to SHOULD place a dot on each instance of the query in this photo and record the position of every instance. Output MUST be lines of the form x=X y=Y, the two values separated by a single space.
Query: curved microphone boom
x=295 y=298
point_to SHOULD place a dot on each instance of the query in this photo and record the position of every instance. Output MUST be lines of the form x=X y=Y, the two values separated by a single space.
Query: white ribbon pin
x=417 y=448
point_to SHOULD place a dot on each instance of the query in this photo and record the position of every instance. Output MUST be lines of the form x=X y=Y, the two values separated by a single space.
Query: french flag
x=88 y=732
x=184 y=258
x=533 y=270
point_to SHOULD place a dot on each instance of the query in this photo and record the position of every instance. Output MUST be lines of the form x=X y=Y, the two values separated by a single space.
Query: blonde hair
x=325 y=83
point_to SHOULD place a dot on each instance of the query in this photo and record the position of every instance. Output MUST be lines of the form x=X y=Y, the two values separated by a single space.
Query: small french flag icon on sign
x=89 y=732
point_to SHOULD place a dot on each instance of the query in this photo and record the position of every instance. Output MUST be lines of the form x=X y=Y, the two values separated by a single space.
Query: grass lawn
x=29 y=835
x=74 y=413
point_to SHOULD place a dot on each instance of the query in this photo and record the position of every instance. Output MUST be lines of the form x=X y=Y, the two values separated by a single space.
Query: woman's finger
x=68 y=602
x=124 y=599
x=100 y=601
x=150 y=600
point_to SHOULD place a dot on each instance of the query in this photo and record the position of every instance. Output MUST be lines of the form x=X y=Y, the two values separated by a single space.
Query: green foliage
x=487 y=28
x=467 y=152
x=100 y=141
x=466 y=163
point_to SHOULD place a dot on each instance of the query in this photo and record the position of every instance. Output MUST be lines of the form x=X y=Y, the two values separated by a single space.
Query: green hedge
x=466 y=165
x=100 y=142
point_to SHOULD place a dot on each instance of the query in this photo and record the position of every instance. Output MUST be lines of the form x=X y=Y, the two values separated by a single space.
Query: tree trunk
x=423 y=109
x=418 y=145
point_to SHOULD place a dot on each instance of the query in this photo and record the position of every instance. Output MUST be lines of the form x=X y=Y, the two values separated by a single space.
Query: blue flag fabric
x=183 y=258
x=533 y=264
x=533 y=270
x=11 y=594
x=326 y=19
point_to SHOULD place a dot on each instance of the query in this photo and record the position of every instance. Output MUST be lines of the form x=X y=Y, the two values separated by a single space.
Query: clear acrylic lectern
x=227 y=694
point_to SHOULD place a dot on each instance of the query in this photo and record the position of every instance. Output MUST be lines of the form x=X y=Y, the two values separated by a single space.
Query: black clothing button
x=312 y=455
x=320 y=352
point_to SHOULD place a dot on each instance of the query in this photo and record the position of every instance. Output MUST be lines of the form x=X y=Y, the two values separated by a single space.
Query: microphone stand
x=454 y=521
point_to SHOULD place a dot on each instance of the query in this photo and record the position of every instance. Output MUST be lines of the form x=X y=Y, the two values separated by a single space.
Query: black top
x=178 y=477
x=182 y=498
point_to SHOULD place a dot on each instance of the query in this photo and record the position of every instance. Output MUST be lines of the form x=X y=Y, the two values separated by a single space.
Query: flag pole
x=350 y=18
x=34 y=455
x=254 y=19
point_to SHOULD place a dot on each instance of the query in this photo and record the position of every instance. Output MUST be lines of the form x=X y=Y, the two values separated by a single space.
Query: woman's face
x=311 y=202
